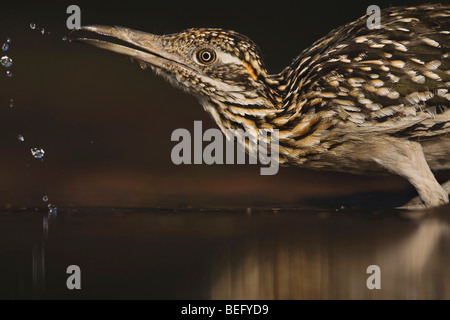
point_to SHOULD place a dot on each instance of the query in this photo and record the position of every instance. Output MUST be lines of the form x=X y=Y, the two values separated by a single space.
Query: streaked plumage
x=357 y=100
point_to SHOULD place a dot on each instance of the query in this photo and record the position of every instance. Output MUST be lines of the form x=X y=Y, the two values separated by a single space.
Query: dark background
x=105 y=125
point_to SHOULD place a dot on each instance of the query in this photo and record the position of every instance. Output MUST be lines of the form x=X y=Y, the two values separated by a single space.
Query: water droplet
x=37 y=153
x=20 y=138
x=6 y=61
x=9 y=73
x=64 y=38
x=42 y=31
x=45 y=198
x=11 y=103
x=5 y=46
x=52 y=209
x=8 y=40
x=33 y=25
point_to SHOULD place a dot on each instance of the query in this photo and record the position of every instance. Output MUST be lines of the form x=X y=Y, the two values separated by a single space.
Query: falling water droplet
x=5 y=46
x=52 y=209
x=9 y=73
x=42 y=31
x=33 y=25
x=37 y=153
x=11 y=103
x=45 y=198
x=20 y=138
x=64 y=38
x=6 y=61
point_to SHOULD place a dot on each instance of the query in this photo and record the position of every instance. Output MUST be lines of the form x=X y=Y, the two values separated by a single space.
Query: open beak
x=143 y=46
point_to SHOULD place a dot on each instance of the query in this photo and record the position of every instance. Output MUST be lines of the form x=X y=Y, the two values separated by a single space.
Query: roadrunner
x=358 y=100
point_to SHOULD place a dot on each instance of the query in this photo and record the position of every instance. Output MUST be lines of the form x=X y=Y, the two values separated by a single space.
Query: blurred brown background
x=105 y=125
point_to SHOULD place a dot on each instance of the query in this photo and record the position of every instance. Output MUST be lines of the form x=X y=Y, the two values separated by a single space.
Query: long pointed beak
x=147 y=47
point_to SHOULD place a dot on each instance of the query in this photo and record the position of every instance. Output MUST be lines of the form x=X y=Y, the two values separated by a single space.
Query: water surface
x=257 y=253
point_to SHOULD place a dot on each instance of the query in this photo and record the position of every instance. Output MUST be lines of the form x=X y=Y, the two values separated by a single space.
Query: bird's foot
x=413 y=204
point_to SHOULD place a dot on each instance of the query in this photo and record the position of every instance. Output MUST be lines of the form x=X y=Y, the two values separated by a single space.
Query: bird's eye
x=206 y=56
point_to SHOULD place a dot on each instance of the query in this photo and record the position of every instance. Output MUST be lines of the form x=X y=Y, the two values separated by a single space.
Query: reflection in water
x=38 y=261
x=238 y=254
x=412 y=266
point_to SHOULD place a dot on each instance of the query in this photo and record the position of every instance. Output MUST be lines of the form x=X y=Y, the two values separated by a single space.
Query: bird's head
x=222 y=67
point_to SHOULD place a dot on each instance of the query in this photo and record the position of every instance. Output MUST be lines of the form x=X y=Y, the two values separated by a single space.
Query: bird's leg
x=446 y=187
x=406 y=159
x=417 y=202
